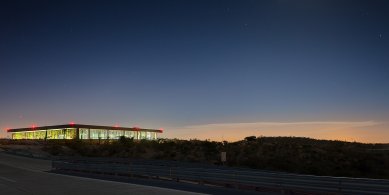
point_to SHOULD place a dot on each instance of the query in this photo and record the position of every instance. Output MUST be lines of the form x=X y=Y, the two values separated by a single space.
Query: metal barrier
x=225 y=176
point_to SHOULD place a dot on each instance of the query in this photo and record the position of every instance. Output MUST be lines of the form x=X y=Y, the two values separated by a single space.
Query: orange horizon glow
x=357 y=131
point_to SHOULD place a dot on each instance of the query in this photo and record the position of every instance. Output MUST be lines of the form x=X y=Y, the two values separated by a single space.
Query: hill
x=287 y=154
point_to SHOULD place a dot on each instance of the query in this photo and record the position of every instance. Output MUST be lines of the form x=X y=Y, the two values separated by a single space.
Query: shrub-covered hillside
x=289 y=154
x=309 y=156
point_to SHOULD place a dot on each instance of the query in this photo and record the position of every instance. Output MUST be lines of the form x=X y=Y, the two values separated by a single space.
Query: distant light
x=161 y=129
x=72 y=123
x=33 y=126
x=116 y=126
x=136 y=128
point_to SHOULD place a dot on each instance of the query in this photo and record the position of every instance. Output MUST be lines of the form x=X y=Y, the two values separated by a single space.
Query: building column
x=77 y=133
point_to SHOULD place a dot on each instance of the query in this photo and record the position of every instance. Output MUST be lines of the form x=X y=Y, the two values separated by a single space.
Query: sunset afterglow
x=201 y=70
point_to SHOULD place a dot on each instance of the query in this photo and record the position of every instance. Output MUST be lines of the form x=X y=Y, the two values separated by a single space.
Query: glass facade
x=83 y=133
x=69 y=133
x=130 y=134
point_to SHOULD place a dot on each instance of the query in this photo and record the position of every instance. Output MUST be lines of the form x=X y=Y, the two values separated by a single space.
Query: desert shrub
x=291 y=154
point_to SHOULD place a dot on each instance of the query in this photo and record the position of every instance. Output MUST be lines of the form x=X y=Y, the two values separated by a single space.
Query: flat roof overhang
x=69 y=126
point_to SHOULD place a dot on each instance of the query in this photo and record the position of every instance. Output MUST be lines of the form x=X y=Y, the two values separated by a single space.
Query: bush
x=291 y=154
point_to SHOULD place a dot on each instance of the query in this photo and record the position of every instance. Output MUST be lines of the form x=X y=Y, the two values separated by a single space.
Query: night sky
x=199 y=69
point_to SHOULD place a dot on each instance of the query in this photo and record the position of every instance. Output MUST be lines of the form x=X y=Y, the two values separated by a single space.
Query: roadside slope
x=21 y=175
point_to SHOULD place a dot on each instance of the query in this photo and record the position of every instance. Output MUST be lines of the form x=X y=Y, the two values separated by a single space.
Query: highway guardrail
x=224 y=176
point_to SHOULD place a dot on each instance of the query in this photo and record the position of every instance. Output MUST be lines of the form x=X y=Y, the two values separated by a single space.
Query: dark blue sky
x=180 y=63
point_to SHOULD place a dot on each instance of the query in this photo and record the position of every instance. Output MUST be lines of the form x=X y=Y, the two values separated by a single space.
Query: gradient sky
x=199 y=69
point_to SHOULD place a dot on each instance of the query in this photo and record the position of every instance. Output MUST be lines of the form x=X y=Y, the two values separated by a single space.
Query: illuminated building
x=79 y=131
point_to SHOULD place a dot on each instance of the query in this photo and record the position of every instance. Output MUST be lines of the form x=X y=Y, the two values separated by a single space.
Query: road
x=21 y=175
